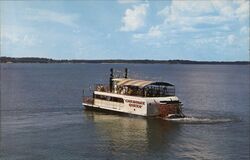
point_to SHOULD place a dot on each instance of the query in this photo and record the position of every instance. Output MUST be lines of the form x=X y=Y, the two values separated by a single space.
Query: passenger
x=102 y=89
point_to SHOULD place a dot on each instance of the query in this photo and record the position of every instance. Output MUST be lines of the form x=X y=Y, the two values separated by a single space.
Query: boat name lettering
x=134 y=105
x=134 y=101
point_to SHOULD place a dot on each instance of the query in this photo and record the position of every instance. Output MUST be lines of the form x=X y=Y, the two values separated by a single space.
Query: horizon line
x=119 y=59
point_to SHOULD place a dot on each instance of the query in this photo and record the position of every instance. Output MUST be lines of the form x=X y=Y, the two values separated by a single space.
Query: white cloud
x=12 y=37
x=18 y=36
x=154 y=32
x=217 y=22
x=231 y=39
x=138 y=36
x=127 y=1
x=217 y=26
x=244 y=30
x=185 y=14
x=193 y=8
x=243 y=10
x=134 y=18
x=51 y=16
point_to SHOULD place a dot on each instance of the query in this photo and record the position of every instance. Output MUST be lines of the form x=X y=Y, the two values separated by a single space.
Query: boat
x=132 y=96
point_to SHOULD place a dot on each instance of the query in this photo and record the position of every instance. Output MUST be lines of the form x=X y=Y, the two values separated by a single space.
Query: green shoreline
x=146 y=61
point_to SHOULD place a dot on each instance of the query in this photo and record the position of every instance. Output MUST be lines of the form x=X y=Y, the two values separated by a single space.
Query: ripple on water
x=198 y=120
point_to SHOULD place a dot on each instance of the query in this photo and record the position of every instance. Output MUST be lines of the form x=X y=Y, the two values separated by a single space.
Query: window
x=109 y=98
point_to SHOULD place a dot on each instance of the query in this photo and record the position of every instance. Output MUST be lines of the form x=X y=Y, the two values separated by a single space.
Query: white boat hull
x=149 y=106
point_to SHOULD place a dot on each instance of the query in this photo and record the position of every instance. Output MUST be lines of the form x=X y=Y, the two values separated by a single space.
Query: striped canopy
x=139 y=83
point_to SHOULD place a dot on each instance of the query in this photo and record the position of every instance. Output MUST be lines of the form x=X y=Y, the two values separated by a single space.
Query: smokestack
x=126 y=73
x=111 y=80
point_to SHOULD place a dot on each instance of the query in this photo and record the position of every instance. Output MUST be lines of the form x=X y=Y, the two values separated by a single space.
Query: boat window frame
x=109 y=98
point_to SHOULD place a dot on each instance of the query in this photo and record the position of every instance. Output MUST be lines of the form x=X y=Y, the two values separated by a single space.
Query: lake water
x=42 y=117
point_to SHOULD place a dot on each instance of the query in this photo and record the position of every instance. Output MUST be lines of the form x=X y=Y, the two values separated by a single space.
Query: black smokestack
x=126 y=73
x=111 y=80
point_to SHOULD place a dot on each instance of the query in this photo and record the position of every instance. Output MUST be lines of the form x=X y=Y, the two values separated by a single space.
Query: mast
x=126 y=73
x=111 y=80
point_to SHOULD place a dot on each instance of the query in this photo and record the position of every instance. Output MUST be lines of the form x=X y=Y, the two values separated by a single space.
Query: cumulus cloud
x=134 y=18
x=216 y=22
x=42 y=15
x=184 y=13
x=243 y=10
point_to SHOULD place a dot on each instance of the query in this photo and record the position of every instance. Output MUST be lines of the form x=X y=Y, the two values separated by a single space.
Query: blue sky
x=126 y=29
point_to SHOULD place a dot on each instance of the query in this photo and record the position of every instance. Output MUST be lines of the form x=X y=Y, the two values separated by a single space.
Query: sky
x=205 y=30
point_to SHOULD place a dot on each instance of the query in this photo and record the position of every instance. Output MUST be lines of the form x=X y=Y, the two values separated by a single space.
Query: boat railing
x=102 y=88
x=140 y=92
x=88 y=100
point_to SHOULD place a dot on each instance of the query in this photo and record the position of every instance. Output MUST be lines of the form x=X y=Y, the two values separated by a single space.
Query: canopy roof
x=139 y=83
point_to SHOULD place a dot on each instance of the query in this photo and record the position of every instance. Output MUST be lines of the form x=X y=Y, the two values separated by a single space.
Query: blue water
x=42 y=116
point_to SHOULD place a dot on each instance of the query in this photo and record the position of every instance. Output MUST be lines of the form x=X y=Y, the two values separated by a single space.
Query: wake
x=194 y=120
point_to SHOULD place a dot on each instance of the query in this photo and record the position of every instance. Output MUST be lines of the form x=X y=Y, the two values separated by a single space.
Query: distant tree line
x=146 y=61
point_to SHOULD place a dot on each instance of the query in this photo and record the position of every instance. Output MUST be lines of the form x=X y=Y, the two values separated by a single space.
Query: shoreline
x=10 y=60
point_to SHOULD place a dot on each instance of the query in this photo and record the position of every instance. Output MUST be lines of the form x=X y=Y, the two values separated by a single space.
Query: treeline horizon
x=142 y=61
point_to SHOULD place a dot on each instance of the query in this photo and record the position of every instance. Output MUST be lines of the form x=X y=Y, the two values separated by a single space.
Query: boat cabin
x=134 y=87
x=139 y=88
